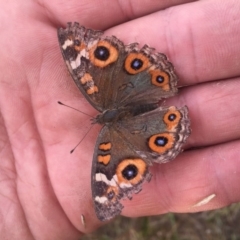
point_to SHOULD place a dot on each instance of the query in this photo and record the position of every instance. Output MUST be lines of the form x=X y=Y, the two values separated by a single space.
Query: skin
x=43 y=188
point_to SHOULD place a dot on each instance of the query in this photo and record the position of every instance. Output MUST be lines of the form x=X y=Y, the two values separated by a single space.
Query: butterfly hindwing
x=125 y=149
x=116 y=174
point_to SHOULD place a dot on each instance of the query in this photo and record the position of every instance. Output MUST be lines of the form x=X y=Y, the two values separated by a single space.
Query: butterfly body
x=124 y=83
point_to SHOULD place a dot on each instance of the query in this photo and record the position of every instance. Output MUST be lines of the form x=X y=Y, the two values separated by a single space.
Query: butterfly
x=124 y=83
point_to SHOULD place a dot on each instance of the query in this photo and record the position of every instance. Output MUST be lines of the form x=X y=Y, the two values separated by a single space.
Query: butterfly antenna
x=81 y=139
x=65 y=105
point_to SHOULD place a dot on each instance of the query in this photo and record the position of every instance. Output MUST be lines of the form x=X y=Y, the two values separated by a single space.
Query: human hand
x=44 y=189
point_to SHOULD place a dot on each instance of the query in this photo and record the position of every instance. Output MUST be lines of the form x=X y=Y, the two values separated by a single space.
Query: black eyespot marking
x=161 y=141
x=77 y=42
x=136 y=64
x=172 y=117
x=130 y=172
x=110 y=195
x=101 y=53
x=160 y=79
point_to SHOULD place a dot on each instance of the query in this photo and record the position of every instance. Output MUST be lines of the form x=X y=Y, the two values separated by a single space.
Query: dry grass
x=223 y=224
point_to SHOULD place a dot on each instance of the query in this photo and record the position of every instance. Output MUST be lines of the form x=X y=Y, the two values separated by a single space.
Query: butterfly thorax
x=118 y=114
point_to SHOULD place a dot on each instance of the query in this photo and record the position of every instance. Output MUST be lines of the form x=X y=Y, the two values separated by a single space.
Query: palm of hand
x=48 y=186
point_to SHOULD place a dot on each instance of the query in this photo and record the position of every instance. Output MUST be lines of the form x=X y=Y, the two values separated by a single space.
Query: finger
x=200 y=38
x=104 y=14
x=197 y=180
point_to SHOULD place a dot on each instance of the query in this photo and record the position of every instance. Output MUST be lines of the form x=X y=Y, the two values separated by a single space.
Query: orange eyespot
x=136 y=63
x=160 y=79
x=131 y=171
x=103 y=54
x=172 y=118
x=161 y=142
